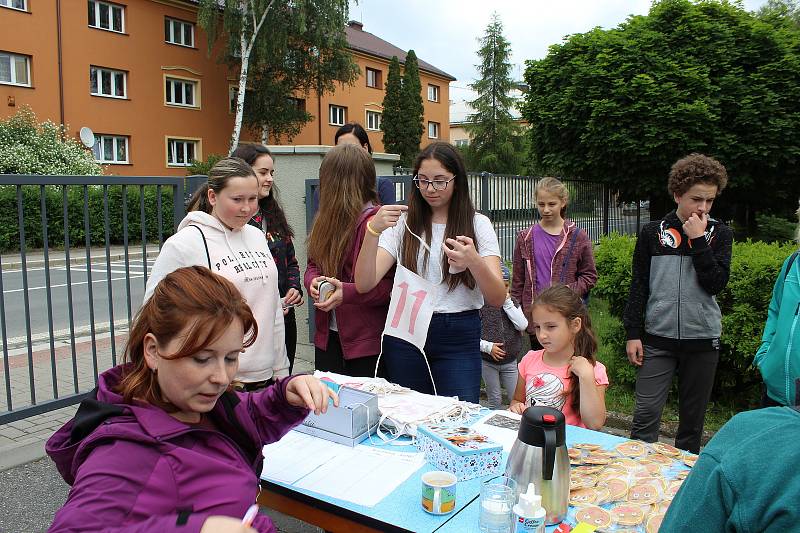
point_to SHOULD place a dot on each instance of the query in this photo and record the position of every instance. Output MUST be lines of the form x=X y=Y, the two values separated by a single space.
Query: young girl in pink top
x=565 y=374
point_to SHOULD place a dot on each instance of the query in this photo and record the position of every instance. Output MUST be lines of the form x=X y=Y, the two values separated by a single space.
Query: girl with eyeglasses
x=463 y=263
x=271 y=220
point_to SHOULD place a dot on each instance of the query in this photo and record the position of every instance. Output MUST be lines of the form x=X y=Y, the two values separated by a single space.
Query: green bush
x=775 y=229
x=54 y=205
x=201 y=168
x=744 y=303
x=30 y=148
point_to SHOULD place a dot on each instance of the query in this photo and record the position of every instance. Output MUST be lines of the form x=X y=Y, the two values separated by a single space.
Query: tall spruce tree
x=391 y=121
x=495 y=137
x=412 y=110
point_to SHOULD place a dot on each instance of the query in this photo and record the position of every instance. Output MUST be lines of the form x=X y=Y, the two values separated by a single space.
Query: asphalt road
x=14 y=296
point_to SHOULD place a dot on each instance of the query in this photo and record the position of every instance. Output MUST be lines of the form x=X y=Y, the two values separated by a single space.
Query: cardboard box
x=460 y=450
x=356 y=417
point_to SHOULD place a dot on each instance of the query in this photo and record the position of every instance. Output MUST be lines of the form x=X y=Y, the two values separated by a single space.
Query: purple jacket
x=135 y=468
x=360 y=317
x=580 y=274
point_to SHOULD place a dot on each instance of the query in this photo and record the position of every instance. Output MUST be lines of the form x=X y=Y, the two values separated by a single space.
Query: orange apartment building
x=137 y=74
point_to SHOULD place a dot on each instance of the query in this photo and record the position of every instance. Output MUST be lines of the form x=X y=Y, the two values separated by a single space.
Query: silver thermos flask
x=539 y=456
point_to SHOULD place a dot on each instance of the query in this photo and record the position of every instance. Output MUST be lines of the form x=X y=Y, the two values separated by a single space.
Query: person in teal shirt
x=745 y=480
x=778 y=357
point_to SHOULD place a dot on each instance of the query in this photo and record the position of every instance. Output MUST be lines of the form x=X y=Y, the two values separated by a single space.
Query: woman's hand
x=309 y=392
x=334 y=300
x=581 y=367
x=293 y=297
x=225 y=524
x=387 y=217
x=461 y=252
x=313 y=287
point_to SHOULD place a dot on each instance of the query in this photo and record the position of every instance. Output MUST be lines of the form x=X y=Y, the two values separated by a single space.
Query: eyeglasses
x=438 y=185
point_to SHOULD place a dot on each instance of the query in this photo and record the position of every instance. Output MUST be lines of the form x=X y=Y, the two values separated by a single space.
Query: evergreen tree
x=412 y=110
x=391 y=121
x=495 y=137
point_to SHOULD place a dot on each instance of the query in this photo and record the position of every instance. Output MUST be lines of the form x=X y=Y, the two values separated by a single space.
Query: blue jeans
x=453 y=349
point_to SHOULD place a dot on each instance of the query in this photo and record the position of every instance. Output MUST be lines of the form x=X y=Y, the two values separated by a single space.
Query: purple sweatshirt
x=135 y=468
x=580 y=274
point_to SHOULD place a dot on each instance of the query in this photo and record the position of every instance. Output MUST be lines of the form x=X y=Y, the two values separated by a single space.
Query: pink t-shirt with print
x=546 y=385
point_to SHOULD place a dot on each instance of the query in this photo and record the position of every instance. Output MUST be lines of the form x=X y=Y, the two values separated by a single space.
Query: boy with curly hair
x=672 y=319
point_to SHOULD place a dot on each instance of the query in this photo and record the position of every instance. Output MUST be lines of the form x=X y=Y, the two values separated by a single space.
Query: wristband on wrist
x=371 y=230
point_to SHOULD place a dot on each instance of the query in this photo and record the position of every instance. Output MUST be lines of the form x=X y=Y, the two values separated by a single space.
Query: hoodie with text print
x=242 y=256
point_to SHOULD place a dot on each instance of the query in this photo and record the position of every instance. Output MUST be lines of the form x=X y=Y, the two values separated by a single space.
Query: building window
x=373 y=120
x=181 y=152
x=338 y=115
x=181 y=92
x=107 y=82
x=233 y=96
x=14 y=4
x=299 y=104
x=433 y=93
x=374 y=78
x=461 y=143
x=433 y=130
x=178 y=32
x=15 y=69
x=105 y=16
x=110 y=149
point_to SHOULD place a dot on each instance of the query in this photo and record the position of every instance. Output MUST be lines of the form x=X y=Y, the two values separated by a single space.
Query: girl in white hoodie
x=215 y=234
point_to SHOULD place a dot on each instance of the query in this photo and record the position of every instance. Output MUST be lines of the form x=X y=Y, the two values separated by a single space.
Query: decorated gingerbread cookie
x=587 y=446
x=632 y=448
x=666 y=449
x=661 y=459
x=582 y=482
x=597 y=459
x=617 y=488
x=654 y=523
x=627 y=515
x=643 y=493
x=689 y=459
x=594 y=516
x=584 y=496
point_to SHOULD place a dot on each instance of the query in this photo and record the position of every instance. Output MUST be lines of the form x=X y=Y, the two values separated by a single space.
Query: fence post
x=606 y=207
x=485 y=193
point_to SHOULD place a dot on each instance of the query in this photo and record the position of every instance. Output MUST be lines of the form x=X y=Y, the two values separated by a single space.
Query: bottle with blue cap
x=529 y=513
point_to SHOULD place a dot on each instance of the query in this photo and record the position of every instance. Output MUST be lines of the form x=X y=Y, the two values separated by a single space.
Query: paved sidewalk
x=34 y=258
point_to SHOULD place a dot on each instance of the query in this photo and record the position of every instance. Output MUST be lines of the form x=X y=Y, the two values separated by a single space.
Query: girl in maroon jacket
x=348 y=324
x=552 y=251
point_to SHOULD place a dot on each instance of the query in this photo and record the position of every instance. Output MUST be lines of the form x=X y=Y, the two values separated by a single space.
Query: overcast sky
x=444 y=32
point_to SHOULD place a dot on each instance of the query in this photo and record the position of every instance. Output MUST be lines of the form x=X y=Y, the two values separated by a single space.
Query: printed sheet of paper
x=500 y=426
x=363 y=475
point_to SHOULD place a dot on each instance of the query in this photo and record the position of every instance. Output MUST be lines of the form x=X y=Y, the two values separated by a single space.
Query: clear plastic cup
x=496 y=504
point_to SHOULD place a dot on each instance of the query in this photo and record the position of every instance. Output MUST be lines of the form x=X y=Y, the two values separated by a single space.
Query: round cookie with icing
x=582 y=482
x=689 y=459
x=587 y=446
x=617 y=488
x=584 y=496
x=627 y=515
x=594 y=516
x=666 y=449
x=631 y=448
x=654 y=523
x=643 y=493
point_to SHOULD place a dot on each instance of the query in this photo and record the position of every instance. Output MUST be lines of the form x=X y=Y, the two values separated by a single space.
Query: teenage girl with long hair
x=348 y=323
x=271 y=220
x=565 y=374
x=554 y=250
x=463 y=263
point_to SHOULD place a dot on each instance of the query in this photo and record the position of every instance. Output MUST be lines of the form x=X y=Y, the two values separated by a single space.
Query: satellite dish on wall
x=87 y=137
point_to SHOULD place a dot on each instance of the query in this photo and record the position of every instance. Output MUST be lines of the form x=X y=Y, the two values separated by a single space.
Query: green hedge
x=744 y=303
x=31 y=201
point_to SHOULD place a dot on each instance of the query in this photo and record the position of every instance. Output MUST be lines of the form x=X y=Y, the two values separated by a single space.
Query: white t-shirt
x=461 y=298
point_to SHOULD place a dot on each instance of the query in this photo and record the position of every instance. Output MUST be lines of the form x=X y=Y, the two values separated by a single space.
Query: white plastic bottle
x=529 y=513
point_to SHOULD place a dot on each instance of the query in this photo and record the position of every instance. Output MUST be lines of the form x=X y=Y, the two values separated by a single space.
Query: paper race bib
x=410 y=308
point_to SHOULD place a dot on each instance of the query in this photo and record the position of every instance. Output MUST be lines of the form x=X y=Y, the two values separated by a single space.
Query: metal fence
x=58 y=333
x=508 y=201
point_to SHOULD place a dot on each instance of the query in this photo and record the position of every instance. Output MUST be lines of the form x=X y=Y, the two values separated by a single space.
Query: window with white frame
x=433 y=93
x=337 y=115
x=181 y=152
x=107 y=82
x=373 y=78
x=461 y=143
x=373 y=120
x=15 y=69
x=14 y=4
x=111 y=149
x=106 y=16
x=181 y=92
x=178 y=32
x=433 y=130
